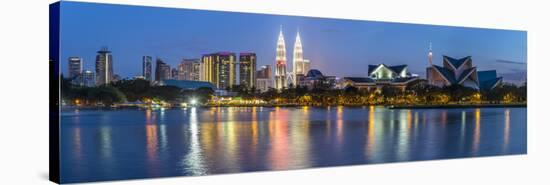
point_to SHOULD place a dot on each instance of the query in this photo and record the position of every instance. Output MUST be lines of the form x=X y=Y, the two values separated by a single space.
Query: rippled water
x=121 y=144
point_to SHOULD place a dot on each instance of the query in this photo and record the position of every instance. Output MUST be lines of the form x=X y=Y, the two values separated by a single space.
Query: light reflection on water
x=120 y=144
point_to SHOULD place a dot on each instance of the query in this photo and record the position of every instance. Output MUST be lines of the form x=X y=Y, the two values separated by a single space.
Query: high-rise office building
x=264 y=72
x=162 y=71
x=147 y=67
x=174 y=74
x=75 y=67
x=264 y=78
x=306 y=66
x=219 y=69
x=87 y=78
x=189 y=69
x=104 y=66
x=196 y=72
x=209 y=69
x=280 y=65
x=300 y=77
x=247 y=69
x=297 y=60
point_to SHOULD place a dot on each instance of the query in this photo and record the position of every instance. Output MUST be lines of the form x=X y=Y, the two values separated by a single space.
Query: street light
x=193 y=101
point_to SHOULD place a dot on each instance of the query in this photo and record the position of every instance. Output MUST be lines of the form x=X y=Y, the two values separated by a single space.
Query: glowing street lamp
x=193 y=101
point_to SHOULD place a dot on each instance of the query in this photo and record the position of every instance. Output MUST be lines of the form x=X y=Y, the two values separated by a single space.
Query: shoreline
x=423 y=106
x=457 y=106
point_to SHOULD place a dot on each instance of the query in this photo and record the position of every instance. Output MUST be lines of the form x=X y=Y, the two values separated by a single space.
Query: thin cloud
x=509 y=62
x=515 y=77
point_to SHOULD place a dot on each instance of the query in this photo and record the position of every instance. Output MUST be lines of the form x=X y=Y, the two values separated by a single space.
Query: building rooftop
x=488 y=79
x=314 y=73
x=447 y=74
x=396 y=69
x=456 y=62
x=359 y=79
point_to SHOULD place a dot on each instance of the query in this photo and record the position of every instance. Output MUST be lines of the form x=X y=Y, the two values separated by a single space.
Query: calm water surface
x=121 y=144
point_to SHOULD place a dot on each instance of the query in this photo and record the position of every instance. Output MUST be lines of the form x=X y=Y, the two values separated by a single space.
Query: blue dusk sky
x=334 y=46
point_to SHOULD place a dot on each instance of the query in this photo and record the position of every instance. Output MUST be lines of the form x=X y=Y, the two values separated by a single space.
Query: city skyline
x=351 y=44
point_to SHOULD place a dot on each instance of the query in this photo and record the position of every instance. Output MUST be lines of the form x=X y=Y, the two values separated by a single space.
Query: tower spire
x=280 y=62
x=430 y=54
x=298 y=59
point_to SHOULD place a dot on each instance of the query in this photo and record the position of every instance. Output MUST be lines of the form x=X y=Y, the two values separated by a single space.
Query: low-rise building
x=315 y=79
x=380 y=76
x=462 y=72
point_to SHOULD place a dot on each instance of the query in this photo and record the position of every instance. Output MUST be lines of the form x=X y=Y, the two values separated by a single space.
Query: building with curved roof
x=314 y=78
x=380 y=76
x=462 y=72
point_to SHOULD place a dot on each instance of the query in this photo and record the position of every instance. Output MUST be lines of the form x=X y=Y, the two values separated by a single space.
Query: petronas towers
x=300 y=66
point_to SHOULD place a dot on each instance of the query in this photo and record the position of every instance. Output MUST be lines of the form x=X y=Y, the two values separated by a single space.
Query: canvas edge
x=54 y=154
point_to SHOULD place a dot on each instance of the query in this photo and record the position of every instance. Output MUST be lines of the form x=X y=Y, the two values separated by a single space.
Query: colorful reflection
x=194 y=160
x=477 y=132
x=279 y=143
x=202 y=141
x=405 y=122
x=339 y=124
x=506 y=130
x=371 y=134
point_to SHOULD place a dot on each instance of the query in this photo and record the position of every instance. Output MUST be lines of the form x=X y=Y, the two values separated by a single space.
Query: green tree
x=134 y=90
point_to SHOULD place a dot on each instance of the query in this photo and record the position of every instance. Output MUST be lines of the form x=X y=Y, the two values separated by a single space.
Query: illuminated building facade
x=189 y=69
x=162 y=71
x=147 y=68
x=104 y=67
x=88 y=78
x=380 y=76
x=219 y=69
x=247 y=69
x=75 y=67
x=297 y=59
x=280 y=65
x=264 y=78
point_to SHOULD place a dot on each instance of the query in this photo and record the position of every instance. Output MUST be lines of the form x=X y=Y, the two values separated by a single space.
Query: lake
x=99 y=145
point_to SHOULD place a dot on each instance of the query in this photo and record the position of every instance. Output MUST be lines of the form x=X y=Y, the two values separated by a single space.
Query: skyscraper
x=430 y=55
x=299 y=77
x=88 y=78
x=75 y=67
x=196 y=72
x=247 y=69
x=104 y=66
x=189 y=69
x=297 y=60
x=264 y=72
x=162 y=71
x=174 y=73
x=219 y=69
x=306 y=66
x=280 y=70
x=147 y=67
x=264 y=78
x=209 y=69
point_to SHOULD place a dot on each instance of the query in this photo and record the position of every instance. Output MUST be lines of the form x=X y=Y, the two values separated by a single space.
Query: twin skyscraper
x=300 y=66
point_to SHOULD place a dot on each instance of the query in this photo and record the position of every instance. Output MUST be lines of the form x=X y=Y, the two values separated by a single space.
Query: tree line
x=421 y=93
x=129 y=91
x=413 y=94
